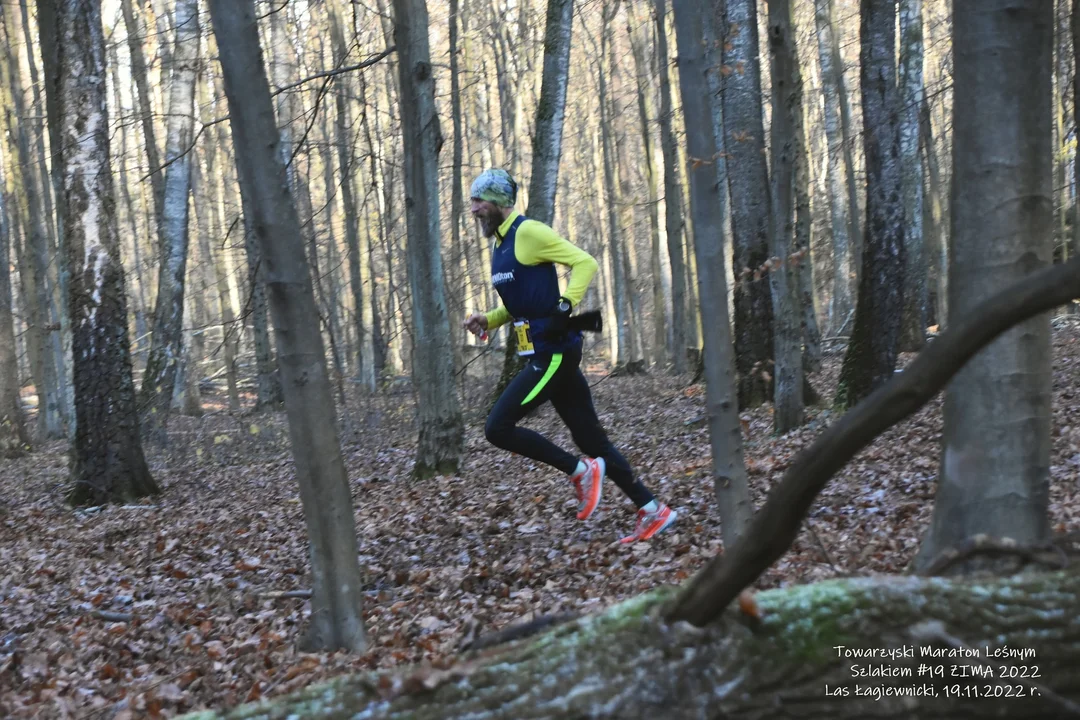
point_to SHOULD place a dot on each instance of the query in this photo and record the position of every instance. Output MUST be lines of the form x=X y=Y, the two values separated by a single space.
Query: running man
x=523 y=272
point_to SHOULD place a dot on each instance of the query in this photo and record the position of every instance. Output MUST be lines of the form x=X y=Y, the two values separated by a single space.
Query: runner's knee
x=497 y=431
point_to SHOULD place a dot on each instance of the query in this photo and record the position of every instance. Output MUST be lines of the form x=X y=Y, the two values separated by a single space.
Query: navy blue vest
x=529 y=292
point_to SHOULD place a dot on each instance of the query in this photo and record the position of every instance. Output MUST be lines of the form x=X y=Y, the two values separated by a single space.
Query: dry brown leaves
x=189 y=572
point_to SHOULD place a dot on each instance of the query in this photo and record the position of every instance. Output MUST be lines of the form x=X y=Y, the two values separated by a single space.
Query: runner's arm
x=537 y=243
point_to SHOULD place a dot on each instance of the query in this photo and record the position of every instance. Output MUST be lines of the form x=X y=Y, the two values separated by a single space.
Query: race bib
x=524 y=338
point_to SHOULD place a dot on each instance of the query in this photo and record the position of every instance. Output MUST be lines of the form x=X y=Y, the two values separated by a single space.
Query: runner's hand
x=476 y=323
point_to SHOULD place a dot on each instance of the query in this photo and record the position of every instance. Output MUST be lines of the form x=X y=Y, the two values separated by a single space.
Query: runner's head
x=493 y=195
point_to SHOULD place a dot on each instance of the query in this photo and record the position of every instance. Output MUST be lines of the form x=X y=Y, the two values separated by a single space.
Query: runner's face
x=488 y=214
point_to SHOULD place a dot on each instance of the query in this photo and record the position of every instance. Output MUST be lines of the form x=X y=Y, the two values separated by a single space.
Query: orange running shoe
x=587 y=485
x=650 y=523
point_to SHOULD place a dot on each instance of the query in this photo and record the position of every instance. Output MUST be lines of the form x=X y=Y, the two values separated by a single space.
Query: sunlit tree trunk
x=672 y=201
x=843 y=201
x=136 y=34
x=910 y=91
x=43 y=310
x=14 y=441
x=166 y=342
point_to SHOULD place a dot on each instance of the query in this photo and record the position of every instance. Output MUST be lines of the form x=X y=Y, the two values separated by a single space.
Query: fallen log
x=793 y=656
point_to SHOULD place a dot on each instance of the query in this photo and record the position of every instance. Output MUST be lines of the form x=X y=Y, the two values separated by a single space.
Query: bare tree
x=14 y=441
x=550 y=111
x=748 y=182
x=995 y=469
x=783 y=279
x=47 y=360
x=108 y=457
x=637 y=31
x=336 y=618
x=843 y=200
x=441 y=424
x=725 y=431
x=910 y=90
x=672 y=200
x=166 y=341
x=136 y=36
x=871 y=354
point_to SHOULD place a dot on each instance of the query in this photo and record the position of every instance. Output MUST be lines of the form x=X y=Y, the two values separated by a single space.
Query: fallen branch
x=1045 y=554
x=275 y=594
x=775 y=527
x=112 y=616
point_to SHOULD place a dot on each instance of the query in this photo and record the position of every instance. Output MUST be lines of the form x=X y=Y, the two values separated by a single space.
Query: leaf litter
x=196 y=599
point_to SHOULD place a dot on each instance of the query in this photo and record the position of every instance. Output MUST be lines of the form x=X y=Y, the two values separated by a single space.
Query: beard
x=490 y=221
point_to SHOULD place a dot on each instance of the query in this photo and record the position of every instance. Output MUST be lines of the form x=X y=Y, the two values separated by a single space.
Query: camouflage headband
x=496 y=186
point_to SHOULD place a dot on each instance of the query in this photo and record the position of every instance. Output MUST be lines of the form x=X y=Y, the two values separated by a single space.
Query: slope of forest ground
x=189 y=573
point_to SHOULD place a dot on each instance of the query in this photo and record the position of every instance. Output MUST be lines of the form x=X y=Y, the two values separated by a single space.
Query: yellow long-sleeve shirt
x=536 y=243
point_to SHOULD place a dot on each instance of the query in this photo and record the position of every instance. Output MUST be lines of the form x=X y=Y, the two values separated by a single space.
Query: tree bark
x=136 y=34
x=637 y=31
x=618 y=280
x=788 y=411
x=1074 y=247
x=166 y=341
x=725 y=431
x=748 y=182
x=441 y=425
x=871 y=355
x=550 y=111
x=910 y=91
x=42 y=307
x=672 y=201
x=14 y=442
x=108 y=457
x=336 y=618
x=785 y=665
x=804 y=221
x=995 y=470
x=843 y=204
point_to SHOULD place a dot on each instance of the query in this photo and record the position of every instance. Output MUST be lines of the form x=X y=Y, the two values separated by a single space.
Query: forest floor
x=192 y=572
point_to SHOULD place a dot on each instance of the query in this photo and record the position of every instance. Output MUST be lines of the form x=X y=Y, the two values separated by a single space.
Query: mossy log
x=774 y=657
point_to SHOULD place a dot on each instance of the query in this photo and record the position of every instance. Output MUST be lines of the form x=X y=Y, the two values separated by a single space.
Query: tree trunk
x=994 y=476
x=136 y=34
x=550 y=111
x=725 y=432
x=934 y=206
x=787 y=314
x=672 y=201
x=611 y=203
x=843 y=205
x=336 y=618
x=108 y=462
x=441 y=426
x=1074 y=247
x=139 y=290
x=795 y=662
x=910 y=91
x=165 y=345
x=459 y=285
x=42 y=307
x=14 y=441
x=804 y=221
x=871 y=355
x=637 y=31
x=748 y=181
